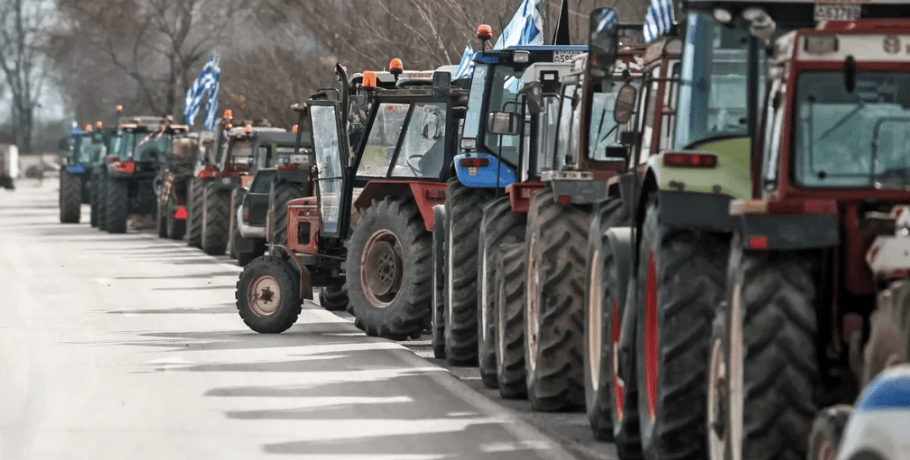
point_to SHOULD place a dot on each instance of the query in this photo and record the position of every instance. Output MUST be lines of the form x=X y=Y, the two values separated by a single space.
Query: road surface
x=130 y=347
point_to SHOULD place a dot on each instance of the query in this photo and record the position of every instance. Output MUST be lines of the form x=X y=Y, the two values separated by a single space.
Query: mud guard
x=696 y=211
x=789 y=232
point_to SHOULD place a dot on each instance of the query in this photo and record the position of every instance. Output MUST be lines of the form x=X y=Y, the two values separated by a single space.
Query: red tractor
x=811 y=313
x=369 y=222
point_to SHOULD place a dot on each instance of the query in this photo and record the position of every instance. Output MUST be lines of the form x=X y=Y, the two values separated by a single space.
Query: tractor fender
x=426 y=194
x=682 y=206
x=223 y=183
x=495 y=174
x=789 y=232
x=729 y=176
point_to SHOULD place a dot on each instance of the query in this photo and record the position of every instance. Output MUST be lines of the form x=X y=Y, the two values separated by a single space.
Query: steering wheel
x=418 y=156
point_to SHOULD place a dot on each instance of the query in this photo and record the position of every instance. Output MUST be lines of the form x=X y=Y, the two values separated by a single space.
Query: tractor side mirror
x=504 y=123
x=603 y=41
x=625 y=104
x=534 y=97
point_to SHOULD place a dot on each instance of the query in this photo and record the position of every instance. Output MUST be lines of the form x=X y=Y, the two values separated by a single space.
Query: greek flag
x=206 y=84
x=466 y=66
x=659 y=19
x=607 y=20
x=523 y=28
x=75 y=131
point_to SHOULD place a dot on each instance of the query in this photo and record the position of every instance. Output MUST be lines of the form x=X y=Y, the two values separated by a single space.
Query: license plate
x=472 y=171
x=565 y=56
x=834 y=11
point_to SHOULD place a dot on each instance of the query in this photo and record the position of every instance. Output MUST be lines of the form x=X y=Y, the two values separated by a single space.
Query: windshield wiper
x=842 y=121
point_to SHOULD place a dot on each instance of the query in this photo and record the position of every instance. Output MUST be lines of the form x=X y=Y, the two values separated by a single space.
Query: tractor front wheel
x=389 y=270
x=268 y=295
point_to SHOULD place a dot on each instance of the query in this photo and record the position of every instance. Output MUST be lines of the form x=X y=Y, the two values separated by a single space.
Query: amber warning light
x=396 y=67
x=484 y=32
x=294 y=129
x=369 y=80
x=228 y=114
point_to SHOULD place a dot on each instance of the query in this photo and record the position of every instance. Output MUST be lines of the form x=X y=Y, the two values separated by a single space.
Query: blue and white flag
x=75 y=131
x=659 y=19
x=206 y=84
x=524 y=28
x=466 y=66
x=607 y=19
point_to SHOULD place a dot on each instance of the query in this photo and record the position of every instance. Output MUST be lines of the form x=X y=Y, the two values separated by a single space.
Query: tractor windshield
x=546 y=132
x=379 y=150
x=852 y=139
x=603 y=127
x=241 y=152
x=151 y=147
x=712 y=93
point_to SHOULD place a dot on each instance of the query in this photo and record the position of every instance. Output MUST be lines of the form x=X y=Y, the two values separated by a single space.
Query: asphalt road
x=129 y=347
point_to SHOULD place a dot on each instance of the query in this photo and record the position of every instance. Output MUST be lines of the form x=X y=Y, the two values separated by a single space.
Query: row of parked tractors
x=701 y=241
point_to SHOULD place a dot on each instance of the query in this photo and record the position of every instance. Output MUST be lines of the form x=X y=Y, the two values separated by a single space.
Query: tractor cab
x=142 y=143
x=495 y=86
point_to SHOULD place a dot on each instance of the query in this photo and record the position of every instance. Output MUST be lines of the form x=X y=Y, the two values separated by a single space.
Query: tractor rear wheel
x=196 y=196
x=680 y=280
x=438 y=302
x=389 y=270
x=605 y=300
x=215 y=221
x=102 y=201
x=499 y=225
x=117 y=205
x=464 y=211
x=827 y=431
x=70 y=198
x=93 y=200
x=334 y=298
x=510 y=322
x=268 y=295
x=176 y=228
x=279 y=194
x=767 y=363
x=889 y=337
x=554 y=327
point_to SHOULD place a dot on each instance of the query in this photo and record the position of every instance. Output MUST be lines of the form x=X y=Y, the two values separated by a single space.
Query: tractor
x=487 y=164
x=271 y=152
x=132 y=165
x=368 y=224
x=172 y=185
x=817 y=298
x=75 y=174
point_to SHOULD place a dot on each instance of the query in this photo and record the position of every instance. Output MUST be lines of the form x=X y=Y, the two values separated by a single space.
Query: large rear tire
x=102 y=201
x=768 y=357
x=389 y=270
x=511 y=376
x=93 y=201
x=117 y=205
x=605 y=301
x=196 y=196
x=680 y=282
x=499 y=226
x=464 y=210
x=268 y=295
x=438 y=302
x=554 y=328
x=70 y=198
x=279 y=194
x=216 y=220
x=161 y=220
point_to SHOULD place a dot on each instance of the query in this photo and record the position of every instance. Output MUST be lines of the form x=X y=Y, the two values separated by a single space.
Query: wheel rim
x=265 y=296
x=594 y=318
x=651 y=337
x=619 y=386
x=717 y=381
x=382 y=268
x=532 y=300
x=734 y=365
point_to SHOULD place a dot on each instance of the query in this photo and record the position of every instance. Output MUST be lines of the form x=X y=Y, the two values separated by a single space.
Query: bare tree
x=24 y=27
